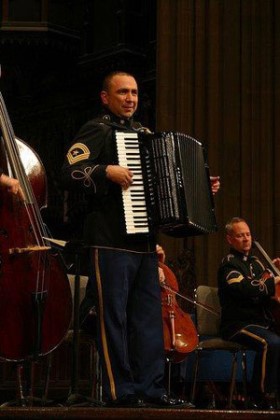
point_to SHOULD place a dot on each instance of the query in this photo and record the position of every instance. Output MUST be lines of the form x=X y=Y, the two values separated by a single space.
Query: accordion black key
x=176 y=183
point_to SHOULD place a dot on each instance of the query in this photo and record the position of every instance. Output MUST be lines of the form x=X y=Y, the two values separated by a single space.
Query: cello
x=35 y=294
x=179 y=331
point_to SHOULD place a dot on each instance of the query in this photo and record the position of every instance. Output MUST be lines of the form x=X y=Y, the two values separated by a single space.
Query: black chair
x=208 y=324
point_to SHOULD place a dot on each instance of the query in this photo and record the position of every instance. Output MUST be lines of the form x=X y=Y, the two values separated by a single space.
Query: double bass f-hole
x=33 y=285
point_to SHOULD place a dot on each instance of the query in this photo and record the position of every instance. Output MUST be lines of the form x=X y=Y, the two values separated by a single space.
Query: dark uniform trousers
x=266 y=343
x=129 y=328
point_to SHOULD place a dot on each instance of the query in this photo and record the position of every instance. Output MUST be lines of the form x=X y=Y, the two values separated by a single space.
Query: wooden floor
x=59 y=406
x=77 y=413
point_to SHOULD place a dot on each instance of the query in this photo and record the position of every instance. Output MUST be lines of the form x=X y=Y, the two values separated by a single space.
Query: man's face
x=122 y=96
x=240 y=237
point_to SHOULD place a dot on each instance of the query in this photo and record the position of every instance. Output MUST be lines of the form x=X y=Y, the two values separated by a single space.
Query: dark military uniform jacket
x=85 y=169
x=245 y=288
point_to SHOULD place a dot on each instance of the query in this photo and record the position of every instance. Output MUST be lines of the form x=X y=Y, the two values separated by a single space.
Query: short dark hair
x=107 y=79
x=231 y=222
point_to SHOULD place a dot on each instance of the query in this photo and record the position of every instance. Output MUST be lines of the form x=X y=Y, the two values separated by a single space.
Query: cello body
x=180 y=334
x=35 y=294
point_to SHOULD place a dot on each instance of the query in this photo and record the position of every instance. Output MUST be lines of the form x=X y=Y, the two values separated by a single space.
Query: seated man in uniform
x=246 y=288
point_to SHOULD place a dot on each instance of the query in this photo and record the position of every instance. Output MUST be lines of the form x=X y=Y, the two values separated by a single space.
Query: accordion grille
x=179 y=189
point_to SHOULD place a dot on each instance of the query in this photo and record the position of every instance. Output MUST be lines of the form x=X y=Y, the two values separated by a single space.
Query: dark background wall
x=209 y=68
x=222 y=63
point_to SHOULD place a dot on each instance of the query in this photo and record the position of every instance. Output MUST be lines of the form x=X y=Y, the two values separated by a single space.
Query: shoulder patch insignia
x=77 y=152
x=228 y=258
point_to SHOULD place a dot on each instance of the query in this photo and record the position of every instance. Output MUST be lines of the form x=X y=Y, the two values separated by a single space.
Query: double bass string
x=30 y=203
x=29 y=295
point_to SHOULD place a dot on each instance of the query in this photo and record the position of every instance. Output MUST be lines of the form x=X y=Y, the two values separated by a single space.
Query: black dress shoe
x=252 y=405
x=166 y=401
x=127 y=401
x=267 y=404
x=266 y=401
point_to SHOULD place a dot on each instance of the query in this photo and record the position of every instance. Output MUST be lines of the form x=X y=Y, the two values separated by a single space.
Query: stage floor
x=77 y=413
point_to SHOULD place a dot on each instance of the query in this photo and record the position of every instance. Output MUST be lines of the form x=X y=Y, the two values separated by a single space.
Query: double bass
x=35 y=294
x=179 y=331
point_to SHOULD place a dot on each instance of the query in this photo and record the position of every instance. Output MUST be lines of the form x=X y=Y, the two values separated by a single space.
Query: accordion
x=171 y=187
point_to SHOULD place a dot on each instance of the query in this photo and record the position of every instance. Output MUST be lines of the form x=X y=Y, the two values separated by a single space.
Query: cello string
x=194 y=302
x=166 y=286
x=176 y=322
